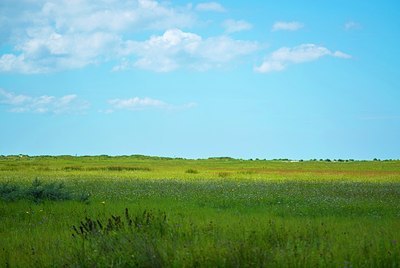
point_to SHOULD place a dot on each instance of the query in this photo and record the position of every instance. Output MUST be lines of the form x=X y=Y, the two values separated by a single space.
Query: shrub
x=84 y=198
x=9 y=192
x=38 y=192
x=53 y=191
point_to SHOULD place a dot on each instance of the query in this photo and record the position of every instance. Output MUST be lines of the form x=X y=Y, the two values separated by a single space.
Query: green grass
x=215 y=212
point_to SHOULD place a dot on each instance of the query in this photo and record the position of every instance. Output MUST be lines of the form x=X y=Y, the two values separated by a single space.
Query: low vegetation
x=163 y=212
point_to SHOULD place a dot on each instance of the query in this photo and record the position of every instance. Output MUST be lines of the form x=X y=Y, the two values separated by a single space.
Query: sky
x=246 y=79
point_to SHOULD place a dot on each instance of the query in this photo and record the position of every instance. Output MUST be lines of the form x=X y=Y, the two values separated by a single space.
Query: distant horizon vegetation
x=207 y=158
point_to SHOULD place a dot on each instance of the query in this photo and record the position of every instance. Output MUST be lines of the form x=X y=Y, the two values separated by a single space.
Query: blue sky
x=246 y=79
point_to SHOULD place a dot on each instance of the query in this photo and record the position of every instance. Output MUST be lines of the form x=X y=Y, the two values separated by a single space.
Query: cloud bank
x=54 y=35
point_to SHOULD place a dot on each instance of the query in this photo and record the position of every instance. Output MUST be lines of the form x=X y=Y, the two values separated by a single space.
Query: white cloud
x=281 y=58
x=287 y=26
x=177 y=49
x=11 y=63
x=12 y=99
x=352 y=25
x=136 y=103
x=232 y=26
x=223 y=49
x=340 y=54
x=210 y=6
x=57 y=35
x=46 y=51
x=113 y=15
x=270 y=66
x=42 y=104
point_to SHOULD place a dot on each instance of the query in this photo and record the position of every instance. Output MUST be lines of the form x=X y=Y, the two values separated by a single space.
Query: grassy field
x=160 y=212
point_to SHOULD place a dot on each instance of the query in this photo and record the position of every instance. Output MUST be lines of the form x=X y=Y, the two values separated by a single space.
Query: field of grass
x=161 y=212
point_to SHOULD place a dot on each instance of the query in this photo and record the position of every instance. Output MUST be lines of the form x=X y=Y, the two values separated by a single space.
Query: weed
x=126 y=240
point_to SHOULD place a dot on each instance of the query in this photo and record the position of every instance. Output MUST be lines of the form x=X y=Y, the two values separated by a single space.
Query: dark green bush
x=52 y=191
x=9 y=192
x=83 y=197
x=38 y=192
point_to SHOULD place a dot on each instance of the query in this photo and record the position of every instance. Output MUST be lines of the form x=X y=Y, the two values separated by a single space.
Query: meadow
x=139 y=211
